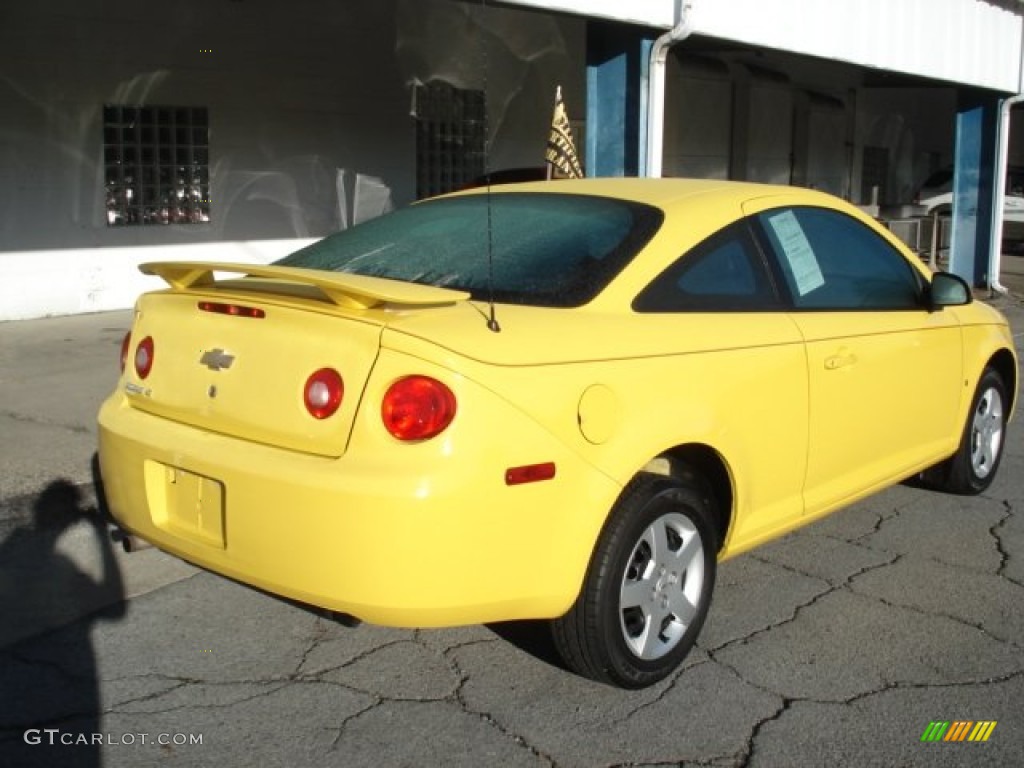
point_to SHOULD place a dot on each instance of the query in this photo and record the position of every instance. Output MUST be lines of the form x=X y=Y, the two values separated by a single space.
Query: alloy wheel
x=661 y=586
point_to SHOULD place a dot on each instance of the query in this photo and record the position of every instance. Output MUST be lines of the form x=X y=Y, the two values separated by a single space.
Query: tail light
x=126 y=344
x=323 y=393
x=144 y=357
x=417 y=408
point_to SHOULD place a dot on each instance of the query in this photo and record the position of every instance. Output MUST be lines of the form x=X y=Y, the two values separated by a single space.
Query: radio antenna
x=492 y=320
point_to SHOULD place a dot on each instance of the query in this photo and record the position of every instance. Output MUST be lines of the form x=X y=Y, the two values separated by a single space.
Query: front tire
x=648 y=587
x=973 y=467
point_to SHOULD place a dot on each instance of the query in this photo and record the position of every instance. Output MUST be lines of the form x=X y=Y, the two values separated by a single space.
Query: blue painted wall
x=974 y=188
x=617 y=63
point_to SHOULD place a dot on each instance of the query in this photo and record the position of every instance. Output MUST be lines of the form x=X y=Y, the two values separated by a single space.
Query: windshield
x=552 y=250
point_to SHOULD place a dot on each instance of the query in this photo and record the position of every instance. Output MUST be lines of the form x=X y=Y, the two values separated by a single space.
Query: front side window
x=552 y=250
x=724 y=273
x=831 y=261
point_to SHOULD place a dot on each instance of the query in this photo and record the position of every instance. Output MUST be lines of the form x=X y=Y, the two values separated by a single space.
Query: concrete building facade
x=240 y=130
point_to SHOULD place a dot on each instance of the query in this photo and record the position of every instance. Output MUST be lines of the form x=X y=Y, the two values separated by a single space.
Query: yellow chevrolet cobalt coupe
x=558 y=400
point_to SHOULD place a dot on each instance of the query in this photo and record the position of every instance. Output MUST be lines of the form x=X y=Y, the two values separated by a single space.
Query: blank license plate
x=192 y=505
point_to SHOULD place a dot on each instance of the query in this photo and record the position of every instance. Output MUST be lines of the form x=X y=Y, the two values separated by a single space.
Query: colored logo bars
x=958 y=730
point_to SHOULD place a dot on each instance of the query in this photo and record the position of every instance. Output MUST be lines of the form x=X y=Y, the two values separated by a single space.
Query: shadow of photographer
x=58 y=576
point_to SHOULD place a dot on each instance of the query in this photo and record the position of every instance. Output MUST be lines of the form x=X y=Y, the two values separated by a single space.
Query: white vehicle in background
x=936 y=196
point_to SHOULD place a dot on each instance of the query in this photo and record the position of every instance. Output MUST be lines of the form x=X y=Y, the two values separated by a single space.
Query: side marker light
x=530 y=473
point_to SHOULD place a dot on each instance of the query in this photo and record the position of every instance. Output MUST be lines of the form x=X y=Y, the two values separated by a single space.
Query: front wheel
x=647 y=589
x=972 y=468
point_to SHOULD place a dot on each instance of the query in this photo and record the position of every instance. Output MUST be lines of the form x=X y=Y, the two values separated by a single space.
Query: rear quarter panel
x=737 y=384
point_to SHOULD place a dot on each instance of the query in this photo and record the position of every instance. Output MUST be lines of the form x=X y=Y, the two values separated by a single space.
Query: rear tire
x=647 y=589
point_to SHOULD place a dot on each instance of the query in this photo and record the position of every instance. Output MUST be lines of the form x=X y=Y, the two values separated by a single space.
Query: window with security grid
x=156 y=164
x=451 y=138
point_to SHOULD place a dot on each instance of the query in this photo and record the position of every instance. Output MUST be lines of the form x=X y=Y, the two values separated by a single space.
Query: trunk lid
x=232 y=356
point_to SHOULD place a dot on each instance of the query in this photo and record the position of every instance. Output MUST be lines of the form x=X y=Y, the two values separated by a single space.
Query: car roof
x=660 y=192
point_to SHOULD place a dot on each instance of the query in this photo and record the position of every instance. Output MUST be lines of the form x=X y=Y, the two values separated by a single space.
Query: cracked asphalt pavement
x=836 y=645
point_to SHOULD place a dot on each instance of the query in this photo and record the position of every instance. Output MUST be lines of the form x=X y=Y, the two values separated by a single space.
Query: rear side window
x=831 y=261
x=724 y=273
x=540 y=249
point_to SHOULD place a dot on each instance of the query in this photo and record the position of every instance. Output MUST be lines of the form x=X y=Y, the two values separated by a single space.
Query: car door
x=739 y=382
x=884 y=372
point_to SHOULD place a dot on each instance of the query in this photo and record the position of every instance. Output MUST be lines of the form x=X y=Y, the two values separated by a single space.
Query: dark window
x=874 y=174
x=450 y=138
x=156 y=164
x=941 y=179
x=724 y=273
x=550 y=250
x=1015 y=182
x=832 y=261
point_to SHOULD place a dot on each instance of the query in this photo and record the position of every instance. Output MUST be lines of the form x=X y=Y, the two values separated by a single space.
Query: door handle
x=840 y=360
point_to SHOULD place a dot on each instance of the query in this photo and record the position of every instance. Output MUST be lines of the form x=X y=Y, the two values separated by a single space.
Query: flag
x=561 y=156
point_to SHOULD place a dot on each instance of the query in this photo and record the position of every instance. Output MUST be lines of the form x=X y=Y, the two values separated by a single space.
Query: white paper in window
x=804 y=266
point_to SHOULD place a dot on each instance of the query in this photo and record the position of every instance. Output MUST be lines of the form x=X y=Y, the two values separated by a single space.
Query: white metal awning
x=968 y=42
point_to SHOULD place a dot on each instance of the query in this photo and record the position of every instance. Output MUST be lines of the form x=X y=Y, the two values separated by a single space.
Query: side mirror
x=948 y=290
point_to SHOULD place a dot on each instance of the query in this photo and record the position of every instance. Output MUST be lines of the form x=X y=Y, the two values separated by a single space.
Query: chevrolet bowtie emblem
x=216 y=359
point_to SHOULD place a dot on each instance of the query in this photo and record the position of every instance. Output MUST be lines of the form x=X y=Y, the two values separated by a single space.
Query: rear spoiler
x=344 y=289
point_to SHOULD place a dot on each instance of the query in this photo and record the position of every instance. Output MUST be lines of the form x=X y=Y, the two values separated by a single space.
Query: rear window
x=552 y=250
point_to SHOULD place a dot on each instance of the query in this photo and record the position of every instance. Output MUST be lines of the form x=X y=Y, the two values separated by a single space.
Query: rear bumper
x=420 y=535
